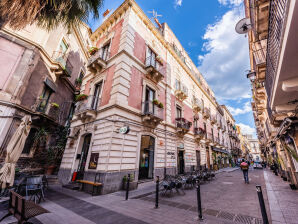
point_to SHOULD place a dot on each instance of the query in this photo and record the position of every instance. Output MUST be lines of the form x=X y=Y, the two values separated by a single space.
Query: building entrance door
x=83 y=157
x=198 y=155
x=180 y=162
x=146 y=166
x=208 y=158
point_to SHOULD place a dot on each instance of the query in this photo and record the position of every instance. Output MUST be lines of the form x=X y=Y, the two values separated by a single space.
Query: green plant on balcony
x=78 y=81
x=160 y=105
x=81 y=97
x=55 y=105
x=155 y=102
x=93 y=50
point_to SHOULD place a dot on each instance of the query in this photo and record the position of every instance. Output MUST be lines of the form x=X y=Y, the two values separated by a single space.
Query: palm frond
x=48 y=14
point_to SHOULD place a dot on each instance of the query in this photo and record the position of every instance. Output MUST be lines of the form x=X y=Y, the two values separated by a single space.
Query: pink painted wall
x=173 y=109
x=136 y=89
x=87 y=88
x=162 y=98
x=106 y=94
x=139 y=49
x=116 y=39
x=188 y=113
x=10 y=56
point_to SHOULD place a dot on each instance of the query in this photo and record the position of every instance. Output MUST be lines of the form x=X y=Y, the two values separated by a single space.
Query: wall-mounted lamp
x=252 y=76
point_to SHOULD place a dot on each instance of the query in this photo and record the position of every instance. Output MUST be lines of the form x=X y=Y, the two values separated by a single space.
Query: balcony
x=181 y=91
x=182 y=126
x=213 y=119
x=199 y=133
x=206 y=113
x=64 y=66
x=155 y=71
x=197 y=105
x=152 y=114
x=46 y=108
x=97 y=62
x=87 y=109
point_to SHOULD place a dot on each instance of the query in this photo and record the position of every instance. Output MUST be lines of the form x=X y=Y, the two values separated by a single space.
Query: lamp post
x=251 y=75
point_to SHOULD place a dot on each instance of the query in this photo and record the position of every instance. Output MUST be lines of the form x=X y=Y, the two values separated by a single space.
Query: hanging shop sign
x=93 y=161
x=124 y=130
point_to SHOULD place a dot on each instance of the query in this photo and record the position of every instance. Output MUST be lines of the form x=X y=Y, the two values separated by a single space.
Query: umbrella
x=14 y=150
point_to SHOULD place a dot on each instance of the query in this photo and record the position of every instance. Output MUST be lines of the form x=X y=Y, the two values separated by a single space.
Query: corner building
x=141 y=78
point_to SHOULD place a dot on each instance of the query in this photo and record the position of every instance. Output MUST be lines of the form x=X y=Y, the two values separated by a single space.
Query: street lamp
x=251 y=75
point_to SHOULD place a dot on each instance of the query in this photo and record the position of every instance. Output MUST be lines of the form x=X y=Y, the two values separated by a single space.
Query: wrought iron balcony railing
x=183 y=123
x=91 y=103
x=62 y=59
x=277 y=17
x=155 y=69
x=152 y=109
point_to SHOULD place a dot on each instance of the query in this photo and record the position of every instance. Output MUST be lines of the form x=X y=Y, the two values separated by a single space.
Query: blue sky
x=206 y=30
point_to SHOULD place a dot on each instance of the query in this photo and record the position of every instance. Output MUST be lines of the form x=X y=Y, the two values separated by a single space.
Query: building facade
x=274 y=81
x=39 y=77
x=146 y=109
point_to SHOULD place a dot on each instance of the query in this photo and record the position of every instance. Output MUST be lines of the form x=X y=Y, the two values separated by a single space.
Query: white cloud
x=238 y=111
x=230 y=2
x=226 y=58
x=177 y=3
x=247 y=130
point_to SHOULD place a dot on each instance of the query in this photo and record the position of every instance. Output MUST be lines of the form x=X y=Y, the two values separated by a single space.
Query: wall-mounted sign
x=124 y=130
x=180 y=146
x=93 y=161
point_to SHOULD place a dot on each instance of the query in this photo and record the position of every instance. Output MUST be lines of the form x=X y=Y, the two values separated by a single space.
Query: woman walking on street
x=244 y=167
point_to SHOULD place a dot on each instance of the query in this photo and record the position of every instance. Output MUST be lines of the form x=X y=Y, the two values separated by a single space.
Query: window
x=29 y=141
x=96 y=96
x=105 y=51
x=177 y=84
x=205 y=129
x=44 y=99
x=195 y=123
x=63 y=46
x=149 y=97
x=178 y=112
x=150 y=57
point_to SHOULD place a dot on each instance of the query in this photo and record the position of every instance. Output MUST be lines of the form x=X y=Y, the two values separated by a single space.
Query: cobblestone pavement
x=225 y=200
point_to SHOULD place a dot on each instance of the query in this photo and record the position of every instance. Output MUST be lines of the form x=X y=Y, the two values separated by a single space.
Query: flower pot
x=50 y=170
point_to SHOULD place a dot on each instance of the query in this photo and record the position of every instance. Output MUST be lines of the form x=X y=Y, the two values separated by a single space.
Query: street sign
x=124 y=130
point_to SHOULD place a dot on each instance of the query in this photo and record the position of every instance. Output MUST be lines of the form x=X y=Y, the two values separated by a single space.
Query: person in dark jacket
x=244 y=167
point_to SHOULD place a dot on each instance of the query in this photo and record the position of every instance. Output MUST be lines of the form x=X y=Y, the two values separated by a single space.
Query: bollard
x=127 y=186
x=157 y=192
x=199 y=200
x=262 y=204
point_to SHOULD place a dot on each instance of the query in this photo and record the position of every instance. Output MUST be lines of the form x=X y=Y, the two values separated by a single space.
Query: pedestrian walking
x=244 y=167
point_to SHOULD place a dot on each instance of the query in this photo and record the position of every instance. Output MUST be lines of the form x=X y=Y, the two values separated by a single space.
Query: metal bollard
x=199 y=200
x=127 y=186
x=262 y=204
x=157 y=192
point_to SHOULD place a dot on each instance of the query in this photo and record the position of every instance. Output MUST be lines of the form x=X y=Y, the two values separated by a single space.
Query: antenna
x=243 y=26
x=155 y=17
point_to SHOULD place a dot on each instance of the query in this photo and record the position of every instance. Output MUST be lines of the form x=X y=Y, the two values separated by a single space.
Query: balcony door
x=151 y=58
x=149 y=97
x=96 y=95
x=105 y=50
x=178 y=112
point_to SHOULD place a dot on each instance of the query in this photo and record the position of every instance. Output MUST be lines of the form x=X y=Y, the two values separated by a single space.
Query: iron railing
x=183 y=123
x=152 y=62
x=200 y=132
x=277 y=16
x=45 y=107
x=100 y=54
x=150 y=108
x=90 y=103
x=181 y=87
x=62 y=59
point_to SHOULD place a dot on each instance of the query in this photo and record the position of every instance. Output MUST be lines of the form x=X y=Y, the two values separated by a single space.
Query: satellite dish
x=243 y=26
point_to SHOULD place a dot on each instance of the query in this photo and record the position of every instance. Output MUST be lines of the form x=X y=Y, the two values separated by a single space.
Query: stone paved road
x=225 y=200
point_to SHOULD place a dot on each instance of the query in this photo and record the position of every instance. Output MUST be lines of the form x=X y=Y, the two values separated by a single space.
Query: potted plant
x=93 y=50
x=81 y=97
x=78 y=82
x=155 y=102
x=132 y=183
x=160 y=105
x=55 y=105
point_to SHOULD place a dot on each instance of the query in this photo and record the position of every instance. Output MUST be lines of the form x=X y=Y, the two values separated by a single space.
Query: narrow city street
x=226 y=199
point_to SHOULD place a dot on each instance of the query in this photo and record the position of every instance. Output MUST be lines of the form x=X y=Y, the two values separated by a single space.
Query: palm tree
x=47 y=13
